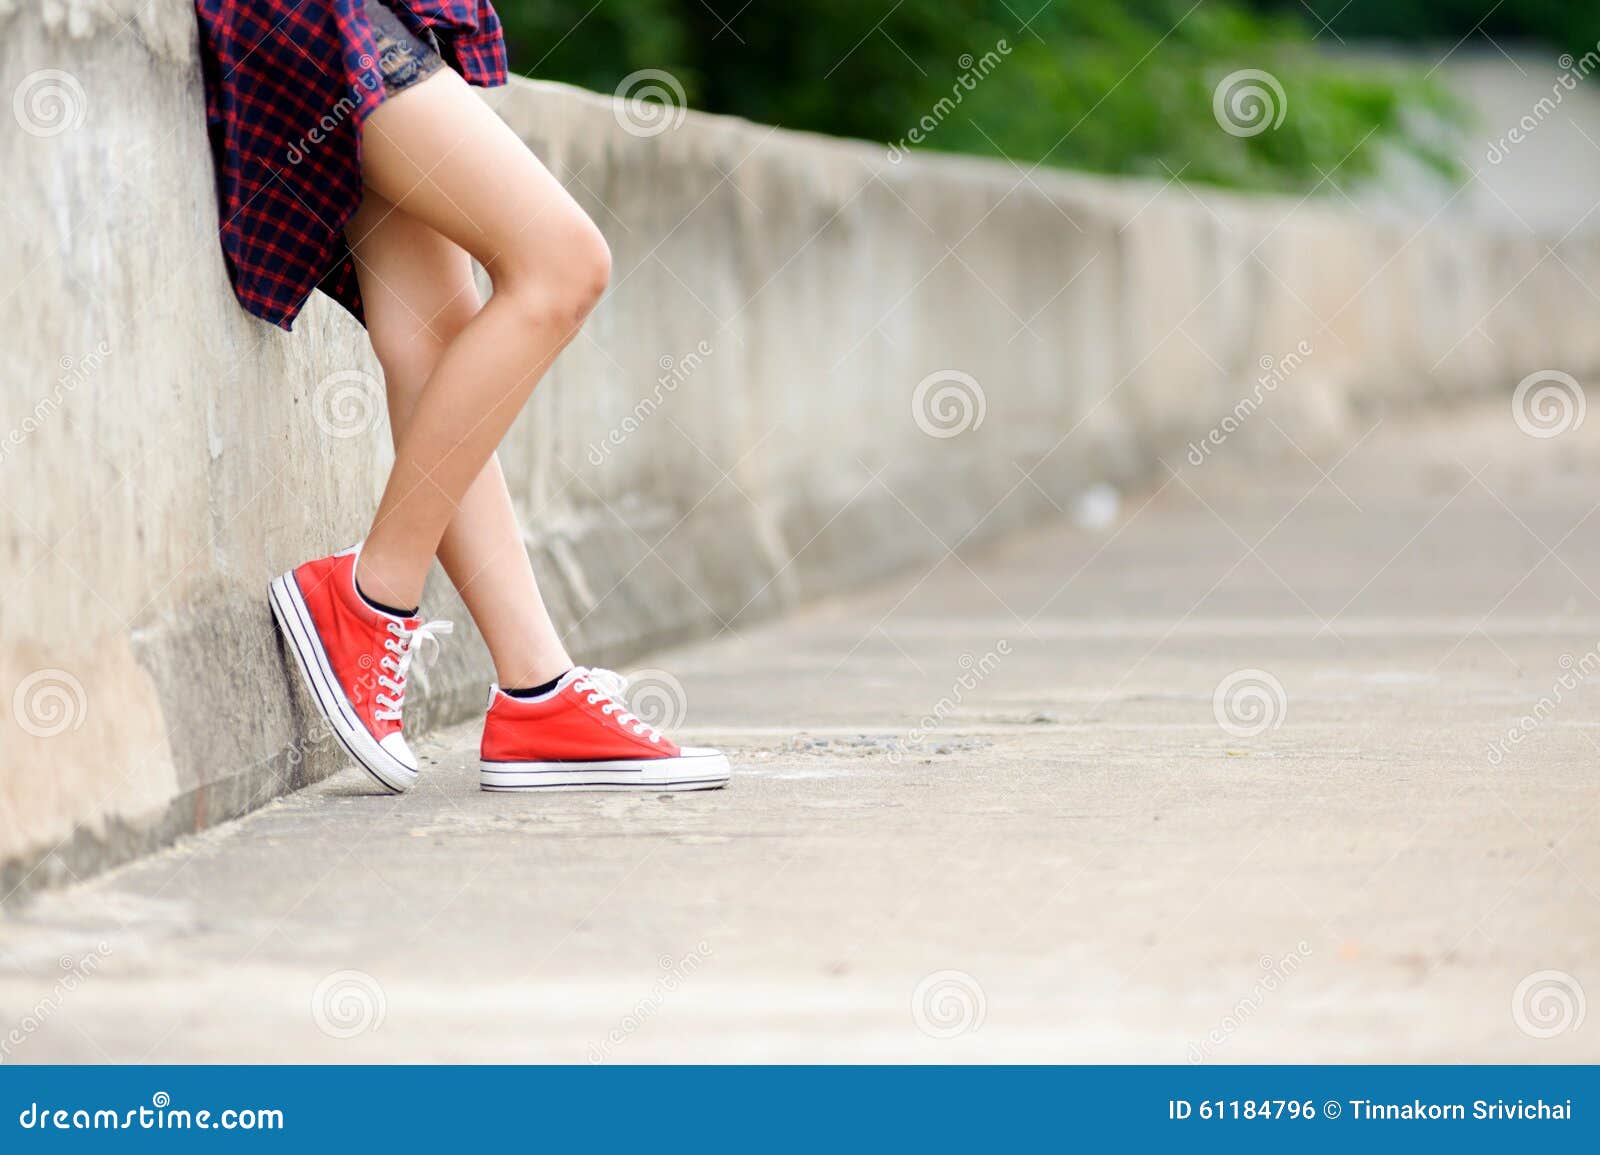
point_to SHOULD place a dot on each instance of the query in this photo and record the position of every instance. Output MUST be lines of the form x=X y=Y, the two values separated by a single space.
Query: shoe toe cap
x=395 y=746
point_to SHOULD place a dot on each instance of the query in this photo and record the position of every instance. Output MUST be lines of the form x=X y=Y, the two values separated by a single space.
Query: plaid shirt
x=288 y=85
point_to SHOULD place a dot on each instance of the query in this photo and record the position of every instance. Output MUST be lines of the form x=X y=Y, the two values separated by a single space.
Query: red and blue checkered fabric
x=289 y=84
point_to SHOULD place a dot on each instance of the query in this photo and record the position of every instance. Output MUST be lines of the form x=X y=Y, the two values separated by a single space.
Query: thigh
x=440 y=153
x=417 y=288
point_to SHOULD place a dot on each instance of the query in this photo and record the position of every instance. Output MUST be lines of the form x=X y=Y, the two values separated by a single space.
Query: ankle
x=532 y=675
x=541 y=690
x=385 y=595
x=373 y=603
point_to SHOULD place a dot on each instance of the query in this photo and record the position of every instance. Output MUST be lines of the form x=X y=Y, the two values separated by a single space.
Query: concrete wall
x=162 y=454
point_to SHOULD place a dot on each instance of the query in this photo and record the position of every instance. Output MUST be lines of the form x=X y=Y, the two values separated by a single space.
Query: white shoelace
x=402 y=646
x=606 y=689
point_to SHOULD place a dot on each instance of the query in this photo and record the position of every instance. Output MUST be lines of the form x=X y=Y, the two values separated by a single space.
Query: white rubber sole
x=693 y=769
x=294 y=619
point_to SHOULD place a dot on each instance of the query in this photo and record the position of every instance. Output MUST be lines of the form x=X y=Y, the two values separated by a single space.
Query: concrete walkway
x=1092 y=856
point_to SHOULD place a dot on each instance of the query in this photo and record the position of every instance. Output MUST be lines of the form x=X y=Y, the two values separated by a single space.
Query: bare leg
x=419 y=295
x=438 y=153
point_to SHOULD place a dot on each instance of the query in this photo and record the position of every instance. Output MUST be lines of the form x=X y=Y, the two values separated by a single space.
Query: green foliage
x=1562 y=24
x=1118 y=87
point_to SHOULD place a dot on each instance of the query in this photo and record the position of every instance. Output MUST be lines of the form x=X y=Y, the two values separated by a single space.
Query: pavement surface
x=1291 y=764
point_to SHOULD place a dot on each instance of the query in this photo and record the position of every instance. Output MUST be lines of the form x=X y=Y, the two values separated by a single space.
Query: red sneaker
x=581 y=737
x=354 y=660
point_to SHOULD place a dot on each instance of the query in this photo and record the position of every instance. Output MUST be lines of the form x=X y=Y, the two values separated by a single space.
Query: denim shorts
x=403 y=58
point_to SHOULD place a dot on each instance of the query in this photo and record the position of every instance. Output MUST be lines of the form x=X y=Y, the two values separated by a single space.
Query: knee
x=560 y=277
x=588 y=260
x=408 y=347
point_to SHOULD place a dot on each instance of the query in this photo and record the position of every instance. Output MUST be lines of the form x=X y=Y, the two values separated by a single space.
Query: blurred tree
x=1560 y=23
x=1120 y=86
